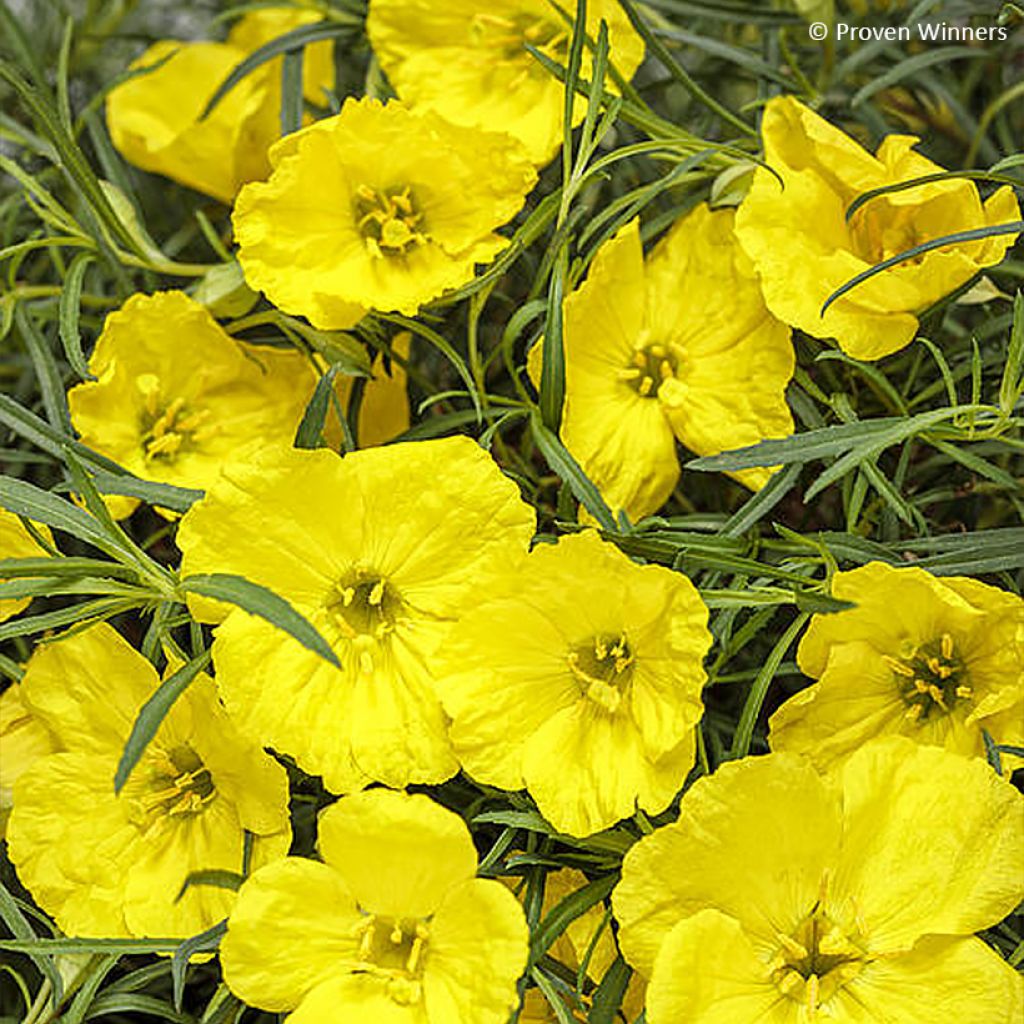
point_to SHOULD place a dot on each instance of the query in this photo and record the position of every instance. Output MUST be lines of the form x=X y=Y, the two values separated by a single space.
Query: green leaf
x=310 y=431
x=296 y=39
x=759 y=688
x=291 y=92
x=927 y=179
x=19 y=927
x=260 y=601
x=568 y=910
x=552 y=374
x=568 y=469
x=956 y=238
x=69 y=311
x=51 y=383
x=152 y=714
x=609 y=993
x=205 y=942
x=217 y=878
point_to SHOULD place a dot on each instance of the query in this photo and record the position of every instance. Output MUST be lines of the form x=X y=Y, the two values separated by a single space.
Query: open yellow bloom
x=154 y=118
x=175 y=395
x=937 y=659
x=17 y=542
x=23 y=740
x=587 y=938
x=381 y=551
x=581 y=679
x=784 y=897
x=376 y=208
x=111 y=865
x=804 y=248
x=392 y=927
x=677 y=347
x=469 y=61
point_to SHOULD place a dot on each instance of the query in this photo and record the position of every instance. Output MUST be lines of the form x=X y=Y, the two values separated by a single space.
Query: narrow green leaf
x=296 y=39
x=177 y=499
x=291 y=91
x=552 y=374
x=51 y=384
x=218 y=879
x=956 y=238
x=260 y=601
x=609 y=993
x=81 y=1007
x=69 y=311
x=19 y=927
x=152 y=714
x=568 y=469
x=992 y=752
x=568 y=910
x=927 y=179
x=1012 y=382
x=310 y=431
x=759 y=689
x=204 y=942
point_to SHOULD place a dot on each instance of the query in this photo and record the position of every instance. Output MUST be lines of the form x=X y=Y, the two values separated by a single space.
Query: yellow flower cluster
x=840 y=878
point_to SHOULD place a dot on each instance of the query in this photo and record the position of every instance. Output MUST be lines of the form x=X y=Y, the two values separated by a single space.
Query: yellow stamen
x=947 y=646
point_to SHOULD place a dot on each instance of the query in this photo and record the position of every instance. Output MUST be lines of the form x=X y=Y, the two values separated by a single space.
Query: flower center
x=816 y=961
x=879 y=231
x=387 y=220
x=179 y=784
x=395 y=948
x=510 y=34
x=651 y=365
x=931 y=678
x=603 y=667
x=365 y=604
x=168 y=429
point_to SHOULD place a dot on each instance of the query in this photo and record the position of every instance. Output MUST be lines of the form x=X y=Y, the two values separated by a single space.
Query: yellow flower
x=936 y=659
x=111 y=865
x=23 y=739
x=784 y=897
x=381 y=550
x=176 y=396
x=377 y=208
x=580 y=679
x=470 y=63
x=804 y=248
x=17 y=542
x=392 y=927
x=155 y=118
x=587 y=938
x=677 y=347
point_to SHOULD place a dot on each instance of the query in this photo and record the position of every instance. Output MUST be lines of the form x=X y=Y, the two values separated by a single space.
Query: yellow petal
x=752 y=840
x=155 y=123
x=940 y=978
x=176 y=397
x=356 y=999
x=17 y=542
x=707 y=972
x=294 y=926
x=477 y=950
x=323 y=236
x=399 y=854
x=71 y=842
x=24 y=740
x=172 y=848
x=470 y=63
x=966 y=876
x=87 y=688
x=733 y=358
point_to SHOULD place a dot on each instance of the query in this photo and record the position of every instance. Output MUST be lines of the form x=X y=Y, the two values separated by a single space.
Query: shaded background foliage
x=888 y=463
